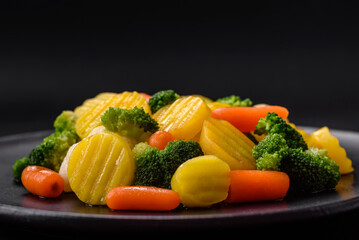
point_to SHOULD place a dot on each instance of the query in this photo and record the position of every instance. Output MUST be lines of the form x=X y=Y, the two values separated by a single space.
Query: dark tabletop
x=304 y=56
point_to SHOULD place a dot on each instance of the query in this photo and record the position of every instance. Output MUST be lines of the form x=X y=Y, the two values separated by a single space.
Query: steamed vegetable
x=202 y=181
x=222 y=139
x=52 y=150
x=254 y=186
x=323 y=139
x=42 y=181
x=274 y=123
x=134 y=151
x=92 y=117
x=142 y=198
x=184 y=117
x=284 y=149
x=155 y=167
x=235 y=101
x=160 y=139
x=161 y=99
x=98 y=164
x=246 y=118
x=135 y=122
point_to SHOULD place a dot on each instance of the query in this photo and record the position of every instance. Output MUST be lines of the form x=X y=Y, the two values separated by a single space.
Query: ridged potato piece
x=184 y=117
x=98 y=164
x=92 y=118
x=91 y=102
x=323 y=139
x=201 y=181
x=222 y=139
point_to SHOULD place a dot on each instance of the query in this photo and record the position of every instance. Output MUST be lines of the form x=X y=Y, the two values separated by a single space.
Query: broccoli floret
x=162 y=98
x=135 y=122
x=155 y=167
x=149 y=165
x=65 y=121
x=310 y=170
x=273 y=123
x=176 y=153
x=284 y=149
x=52 y=150
x=19 y=166
x=270 y=151
x=235 y=101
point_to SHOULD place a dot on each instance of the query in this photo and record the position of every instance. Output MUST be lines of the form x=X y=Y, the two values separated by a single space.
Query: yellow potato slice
x=222 y=139
x=184 y=117
x=98 y=164
x=91 y=102
x=92 y=117
x=323 y=139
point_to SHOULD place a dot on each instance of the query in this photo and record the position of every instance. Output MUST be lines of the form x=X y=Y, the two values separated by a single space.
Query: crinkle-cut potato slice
x=91 y=102
x=98 y=164
x=222 y=139
x=184 y=117
x=92 y=118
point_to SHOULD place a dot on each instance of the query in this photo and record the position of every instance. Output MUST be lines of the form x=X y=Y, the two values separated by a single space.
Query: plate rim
x=16 y=214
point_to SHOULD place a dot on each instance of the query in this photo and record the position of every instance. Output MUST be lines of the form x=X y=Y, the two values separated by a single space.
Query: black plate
x=17 y=206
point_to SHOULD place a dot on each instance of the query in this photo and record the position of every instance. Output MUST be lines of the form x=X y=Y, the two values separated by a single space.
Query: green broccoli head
x=176 y=153
x=65 y=121
x=273 y=123
x=135 y=122
x=155 y=167
x=52 y=150
x=235 y=101
x=161 y=99
x=19 y=166
x=310 y=170
x=149 y=165
x=269 y=152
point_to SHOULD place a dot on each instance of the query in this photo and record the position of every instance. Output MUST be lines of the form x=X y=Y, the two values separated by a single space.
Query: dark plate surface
x=20 y=207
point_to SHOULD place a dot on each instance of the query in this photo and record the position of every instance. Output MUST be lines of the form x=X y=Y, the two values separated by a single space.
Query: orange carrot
x=160 y=139
x=142 y=198
x=146 y=96
x=42 y=181
x=256 y=185
x=246 y=118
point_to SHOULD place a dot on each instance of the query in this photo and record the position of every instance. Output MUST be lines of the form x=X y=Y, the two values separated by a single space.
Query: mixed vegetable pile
x=133 y=151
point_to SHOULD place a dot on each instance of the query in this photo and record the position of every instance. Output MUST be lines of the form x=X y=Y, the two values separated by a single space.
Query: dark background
x=302 y=55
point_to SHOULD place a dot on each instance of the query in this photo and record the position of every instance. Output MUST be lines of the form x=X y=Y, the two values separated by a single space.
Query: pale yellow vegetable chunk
x=184 y=117
x=201 y=181
x=222 y=139
x=91 y=102
x=323 y=139
x=98 y=164
x=92 y=118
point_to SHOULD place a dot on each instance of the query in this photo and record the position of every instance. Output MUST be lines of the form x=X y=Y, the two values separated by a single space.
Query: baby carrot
x=146 y=96
x=246 y=118
x=42 y=181
x=256 y=185
x=160 y=139
x=142 y=198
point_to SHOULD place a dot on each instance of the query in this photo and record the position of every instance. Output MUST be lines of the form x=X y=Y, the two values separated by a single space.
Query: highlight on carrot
x=246 y=118
x=146 y=96
x=42 y=181
x=160 y=139
x=142 y=198
x=257 y=185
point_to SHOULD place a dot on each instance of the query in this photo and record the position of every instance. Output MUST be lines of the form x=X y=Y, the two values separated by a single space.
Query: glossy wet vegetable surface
x=20 y=207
